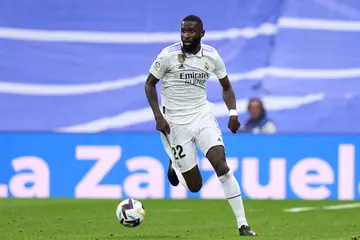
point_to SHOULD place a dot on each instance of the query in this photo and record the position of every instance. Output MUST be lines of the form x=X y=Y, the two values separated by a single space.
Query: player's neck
x=194 y=50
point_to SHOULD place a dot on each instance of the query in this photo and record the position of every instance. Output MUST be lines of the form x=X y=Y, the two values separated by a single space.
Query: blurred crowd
x=258 y=120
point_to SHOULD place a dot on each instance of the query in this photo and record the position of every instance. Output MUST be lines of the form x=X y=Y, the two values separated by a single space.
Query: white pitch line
x=342 y=206
x=299 y=209
x=331 y=207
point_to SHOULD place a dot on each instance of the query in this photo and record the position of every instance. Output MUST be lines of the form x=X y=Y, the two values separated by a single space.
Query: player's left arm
x=228 y=94
x=230 y=101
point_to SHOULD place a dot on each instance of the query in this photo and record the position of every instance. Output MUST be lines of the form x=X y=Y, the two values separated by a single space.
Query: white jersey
x=184 y=78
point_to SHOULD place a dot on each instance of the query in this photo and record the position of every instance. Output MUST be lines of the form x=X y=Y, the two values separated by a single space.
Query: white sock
x=232 y=192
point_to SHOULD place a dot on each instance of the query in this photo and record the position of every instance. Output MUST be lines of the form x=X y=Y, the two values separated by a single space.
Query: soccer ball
x=130 y=213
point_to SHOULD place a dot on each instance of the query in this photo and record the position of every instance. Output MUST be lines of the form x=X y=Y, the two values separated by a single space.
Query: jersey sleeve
x=159 y=66
x=220 y=69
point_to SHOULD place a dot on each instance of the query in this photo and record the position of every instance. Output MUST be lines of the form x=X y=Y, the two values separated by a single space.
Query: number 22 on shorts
x=178 y=154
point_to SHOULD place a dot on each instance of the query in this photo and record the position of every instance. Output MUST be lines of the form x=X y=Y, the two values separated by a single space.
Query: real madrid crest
x=206 y=66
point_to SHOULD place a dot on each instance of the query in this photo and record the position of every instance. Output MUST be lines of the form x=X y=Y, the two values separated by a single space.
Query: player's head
x=191 y=32
x=256 y=108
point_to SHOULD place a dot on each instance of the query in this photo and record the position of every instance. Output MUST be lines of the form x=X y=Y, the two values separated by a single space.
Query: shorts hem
x=186 y=169
x=218 y=144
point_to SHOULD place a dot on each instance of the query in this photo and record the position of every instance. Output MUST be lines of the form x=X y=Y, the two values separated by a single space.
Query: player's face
x=255 y=110
x=191 y=34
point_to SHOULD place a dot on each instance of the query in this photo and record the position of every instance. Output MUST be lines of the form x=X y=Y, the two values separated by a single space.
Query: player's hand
x=162 y=125
x=233 y=124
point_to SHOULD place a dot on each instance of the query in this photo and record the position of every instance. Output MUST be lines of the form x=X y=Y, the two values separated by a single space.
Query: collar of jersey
x=199 y=54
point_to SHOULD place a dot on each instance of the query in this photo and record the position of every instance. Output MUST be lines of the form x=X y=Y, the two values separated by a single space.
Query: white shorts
x=181 y=143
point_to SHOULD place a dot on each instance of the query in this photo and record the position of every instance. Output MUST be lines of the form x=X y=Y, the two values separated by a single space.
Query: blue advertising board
x=119 y=165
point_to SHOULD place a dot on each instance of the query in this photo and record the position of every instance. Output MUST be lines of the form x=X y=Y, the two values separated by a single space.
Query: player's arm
x=151 y=94
x=228 y=93
x=157 y=71
x=230 y=101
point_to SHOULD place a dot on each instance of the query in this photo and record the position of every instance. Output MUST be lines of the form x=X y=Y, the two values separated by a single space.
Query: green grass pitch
x=25 y=219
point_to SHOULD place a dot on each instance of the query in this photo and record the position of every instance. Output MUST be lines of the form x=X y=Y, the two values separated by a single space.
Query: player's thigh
x=193 y=179
x=180 y=147
x=210 y=142
x=184 y=156
x=185 y=160
x=166 y=145
x=182 y=151
x=208 y=134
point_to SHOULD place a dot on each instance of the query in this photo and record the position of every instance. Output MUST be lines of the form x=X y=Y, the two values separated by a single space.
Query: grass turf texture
x=22 y=219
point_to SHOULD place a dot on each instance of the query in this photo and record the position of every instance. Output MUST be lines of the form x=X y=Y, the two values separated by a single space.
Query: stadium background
x=71 y=95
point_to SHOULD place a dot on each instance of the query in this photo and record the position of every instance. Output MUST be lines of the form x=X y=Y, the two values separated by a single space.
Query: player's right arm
x=157 y=71
x=151 y=94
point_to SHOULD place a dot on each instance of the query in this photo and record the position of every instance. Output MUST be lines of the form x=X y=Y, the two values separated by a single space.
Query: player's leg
x=209 y=140
x=183 y=161
x=186 y=165
x=193 y=179
x=230 y=185
x=171 y=174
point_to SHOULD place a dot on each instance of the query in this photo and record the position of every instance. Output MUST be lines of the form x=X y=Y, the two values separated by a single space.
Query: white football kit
x=184 y=102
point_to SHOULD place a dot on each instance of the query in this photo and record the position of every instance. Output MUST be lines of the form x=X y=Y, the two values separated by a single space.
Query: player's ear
x=202 y=33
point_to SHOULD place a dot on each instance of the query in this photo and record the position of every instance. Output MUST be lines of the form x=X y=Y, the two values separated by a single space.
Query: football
x=130 y=213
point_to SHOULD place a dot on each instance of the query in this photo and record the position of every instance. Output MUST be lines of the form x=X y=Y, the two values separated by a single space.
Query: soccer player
x=186 y=119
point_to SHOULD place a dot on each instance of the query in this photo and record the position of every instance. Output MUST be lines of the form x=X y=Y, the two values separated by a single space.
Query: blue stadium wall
x=119 y=165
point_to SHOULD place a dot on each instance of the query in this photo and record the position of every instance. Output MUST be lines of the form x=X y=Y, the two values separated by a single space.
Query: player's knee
x=194 y=182
x=193 y=179
x=220 y=165
x=195 y=187
x=221 y=168
x=216 y=155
